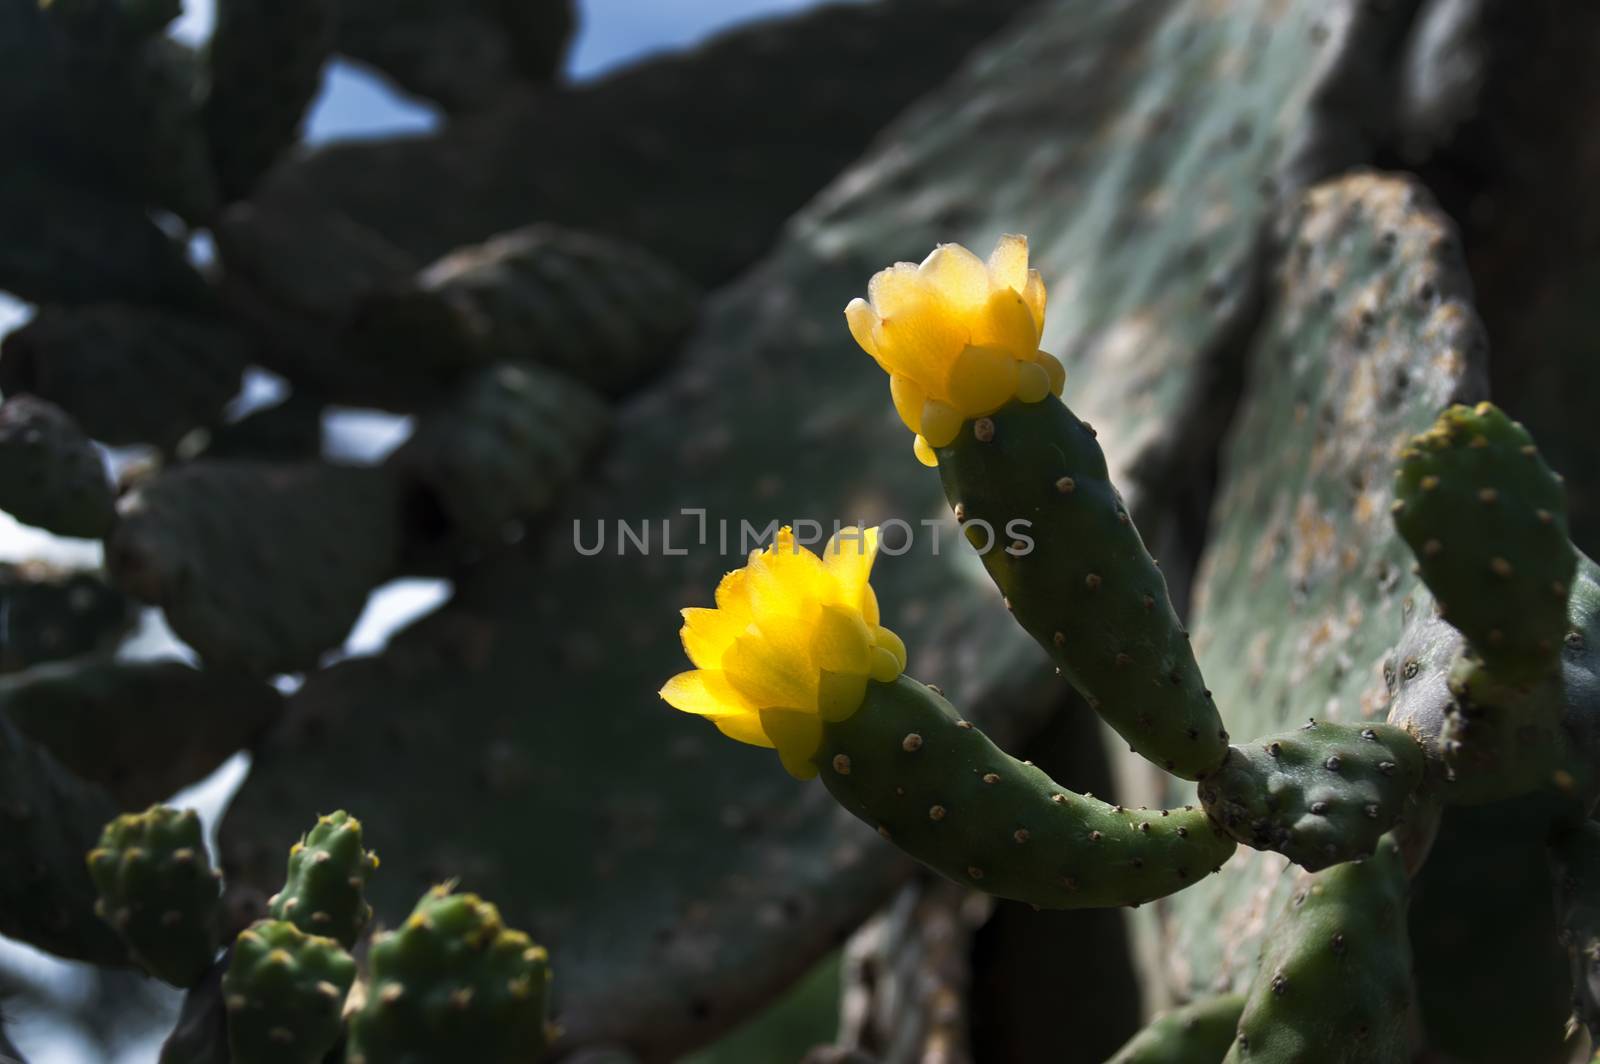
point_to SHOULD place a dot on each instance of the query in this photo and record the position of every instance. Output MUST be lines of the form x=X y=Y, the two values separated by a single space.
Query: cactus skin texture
x=159 y=892
x=325 y=892
x=1198 y=1033
x=1487 y=521
x=452 y=983
x=50 y=474
x=284 y=991
x=1334 y=983
x=1575 y=862
x=1087 y=590
x=1319 y=795
x=936 y=787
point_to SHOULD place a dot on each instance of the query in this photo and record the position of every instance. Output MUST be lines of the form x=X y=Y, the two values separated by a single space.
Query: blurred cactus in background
x=1311 y=598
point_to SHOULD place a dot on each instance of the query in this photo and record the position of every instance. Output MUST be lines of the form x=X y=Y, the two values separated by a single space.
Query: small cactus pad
x=1198 y=1033
x=1487 y=521
x=1334 y=984
x=1319 y=795
x=1575 y=860
x=452 y=983
x=284 y=991
x=50 y=474
x=159 y=891
x=935 y=786
x=1029 y=484
x=498 y=453
x=325 y=893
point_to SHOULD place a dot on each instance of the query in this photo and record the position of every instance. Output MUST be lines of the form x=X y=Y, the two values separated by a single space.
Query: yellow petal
x=772 y=672
x=1035 y=296
x=1056 y=371
x=959 y=276
x=885 y=666
x=924 y=453
x=733 y=595
x=839 y=695
x=869 y=607
x=908 y=398
x=1006 y=322
x=848 y=558
x=862 y=320
x=886 y=639
x=941 y=423
x=746 y=727
x=705 y=693
x=797 y=736
x=707 y=634
x=918 y=334
x=982 y=379
x=841 y=641
x=785 y=580
x=1008 y=263
x=1033 y=383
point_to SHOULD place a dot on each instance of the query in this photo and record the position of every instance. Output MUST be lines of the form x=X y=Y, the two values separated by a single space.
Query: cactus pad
x=1198 y=1033
x=452 y=981
x=258 y=566
x=1334 y=982
x=1487 y=520
x=1576 y=868
x=935 y=786
x=159 y=891
x=56 y=614
x=325 y=893
x=1319 y=795
x=50 y=474
x=284 y=991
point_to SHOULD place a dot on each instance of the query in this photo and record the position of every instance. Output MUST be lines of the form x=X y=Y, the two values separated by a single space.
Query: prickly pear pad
x=285 y=991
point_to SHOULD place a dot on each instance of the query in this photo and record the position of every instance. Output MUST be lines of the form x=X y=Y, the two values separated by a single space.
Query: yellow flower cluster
x=791 y=643
x=958 y=337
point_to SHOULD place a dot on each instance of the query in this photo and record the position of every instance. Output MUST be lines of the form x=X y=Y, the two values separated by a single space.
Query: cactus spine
x=284 y=991
x=325 y=891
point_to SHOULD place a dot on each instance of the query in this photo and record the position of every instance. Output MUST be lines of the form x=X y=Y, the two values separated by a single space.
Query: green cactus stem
x=285 y=991
x=1078 y=578
x=936 y=787
x=325 y=892
x=1197 y=1033
x=159 y=892
x=1575 y=861
x=452 y=983
x=1319 y=795
x=1334 y=982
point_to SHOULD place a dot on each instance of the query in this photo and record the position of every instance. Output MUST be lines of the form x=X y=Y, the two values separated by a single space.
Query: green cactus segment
x=284 y=991
x=258 y=566
x=601 y=310
x=1487 y=521
x=498 y=453
x=325 y=892
x=1319 y=795
x=1029 y=484
x=50 y=474
x=452 y=983
x=1334 y=984
x=1576 y=867
x=266 y=68
x=934 y=785
x=50 y=818
x=159 y=891
x=89 y=360
x=1500 y=740
x=1198 y=1033
x=55 y=614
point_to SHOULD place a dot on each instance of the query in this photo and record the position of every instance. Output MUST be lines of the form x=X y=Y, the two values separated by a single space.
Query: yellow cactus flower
x=958 y=337
x=791 y=643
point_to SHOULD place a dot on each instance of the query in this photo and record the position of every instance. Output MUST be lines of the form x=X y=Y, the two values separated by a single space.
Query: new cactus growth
x=325 y=892
x=284 y=992
x=1334 y=982
x=1319 y=795
x=159 y=892
x=452 y=982
x=1200 y=1032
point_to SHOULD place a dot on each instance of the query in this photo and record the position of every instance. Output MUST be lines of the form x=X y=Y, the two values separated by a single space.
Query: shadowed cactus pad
x=325 y=893
x=284 y=991
x=53 y=614
x=935 y=786
x=1334 y=983
x=452 y=983
x=50 y=474
x=1319 y=795
x=159 y=891
x=1197 y=1033
x=1487 y=520
x=1576 y=867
